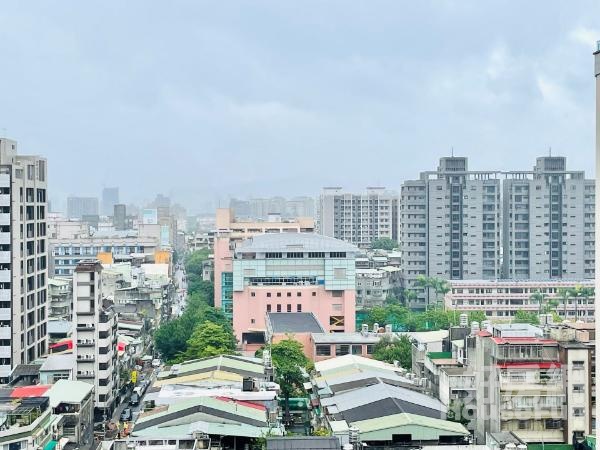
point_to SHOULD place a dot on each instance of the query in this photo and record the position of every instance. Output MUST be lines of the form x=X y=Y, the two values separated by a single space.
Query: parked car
x=134 y=400
x=156 y=363
x=126 y=415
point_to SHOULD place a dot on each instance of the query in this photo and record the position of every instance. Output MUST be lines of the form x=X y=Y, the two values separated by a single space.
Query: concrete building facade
x=77 y=207
x=450 y=225
x=95 y=336
x=23 y=258
x=358 y=218
x=548 y=220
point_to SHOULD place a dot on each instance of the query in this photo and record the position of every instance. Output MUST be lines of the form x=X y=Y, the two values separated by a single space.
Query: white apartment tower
x=358 y=218
x=95 y=336
x=23 y=258
x=548 y=220
x=450 y=224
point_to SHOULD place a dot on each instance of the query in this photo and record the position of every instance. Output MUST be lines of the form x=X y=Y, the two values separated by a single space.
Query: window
x=337 y=254
x=578 y=365
x=295 y=255
x=289 y=308
x=298 y=294
x=289 y=294
x=357 y=349
x=342 y=349
x=252 y=321
x=314 y=294
x=370 y=349
x=578 y=388
x=316 y=255
x=252 y=294
x=553 y=424
x=278 y=308
x=273 y=255
x=337 y=293
x=268 y=308
x=279 y=294
x=578 y=412
x=323 y=350
x=298 y=307
x=268 y=294
x=523 y=424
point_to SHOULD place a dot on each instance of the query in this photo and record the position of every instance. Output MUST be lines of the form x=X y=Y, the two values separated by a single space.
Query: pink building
x=293 y=273
x=228 y=232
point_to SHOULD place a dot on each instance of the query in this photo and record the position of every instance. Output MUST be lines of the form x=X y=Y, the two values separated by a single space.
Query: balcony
x=85 y=374
x=86 y=358
x=5 y=276
x=5 y=333
x=4 y=219
x=5 y=256
x=5 y=351
x=4 y=200
x=5 y=314
x=85 y=342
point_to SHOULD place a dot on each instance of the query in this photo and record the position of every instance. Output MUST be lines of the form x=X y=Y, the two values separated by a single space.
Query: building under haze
x=110 y=197
x=23 y=258
x=262 y=208
x=77 y=207
x=450 y=224
x=548 y=221
x=358 y=218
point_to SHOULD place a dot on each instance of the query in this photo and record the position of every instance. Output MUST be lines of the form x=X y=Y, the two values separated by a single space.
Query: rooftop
x=293 y=242
x=343 y=338
x=58 y=362
x=294 y=323
x=68 y=391
x=303 y=443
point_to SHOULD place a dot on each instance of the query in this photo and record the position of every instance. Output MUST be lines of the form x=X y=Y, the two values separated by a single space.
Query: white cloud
x=585 y=36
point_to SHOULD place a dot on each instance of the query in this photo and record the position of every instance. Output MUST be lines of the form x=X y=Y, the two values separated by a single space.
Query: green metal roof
x=216 y=429
x=222 y=362
x=421 y=427
x=549 y=447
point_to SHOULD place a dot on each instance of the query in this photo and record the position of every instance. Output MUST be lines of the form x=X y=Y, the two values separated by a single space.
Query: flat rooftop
x=294 y=323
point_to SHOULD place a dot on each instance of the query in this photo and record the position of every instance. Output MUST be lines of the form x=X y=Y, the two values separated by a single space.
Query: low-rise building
x=58 y=367
x=501 y=299
x=61 y=298
x=374 y=286
x=74 y=402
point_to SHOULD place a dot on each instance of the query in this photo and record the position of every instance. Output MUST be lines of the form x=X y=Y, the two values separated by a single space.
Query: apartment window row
x=288 y=308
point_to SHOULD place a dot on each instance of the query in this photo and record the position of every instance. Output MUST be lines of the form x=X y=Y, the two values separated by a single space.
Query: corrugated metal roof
x=303 y=443
x=294 y=323
x=404 y=419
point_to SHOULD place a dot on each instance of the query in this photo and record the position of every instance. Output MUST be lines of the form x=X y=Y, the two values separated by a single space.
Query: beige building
x=597 y=75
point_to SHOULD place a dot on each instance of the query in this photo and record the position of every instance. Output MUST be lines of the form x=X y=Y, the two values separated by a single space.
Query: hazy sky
x=252 y=98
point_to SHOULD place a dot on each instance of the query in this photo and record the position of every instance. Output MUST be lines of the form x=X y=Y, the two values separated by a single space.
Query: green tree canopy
x=384 y=244
x=394 y=349
x=209 y=339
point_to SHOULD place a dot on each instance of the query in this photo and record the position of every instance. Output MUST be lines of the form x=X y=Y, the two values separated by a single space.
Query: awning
x=50 y=445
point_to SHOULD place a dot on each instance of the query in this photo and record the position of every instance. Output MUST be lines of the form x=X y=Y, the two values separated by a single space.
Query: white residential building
x=95 y=339
x=23 y=258
x=358 y=218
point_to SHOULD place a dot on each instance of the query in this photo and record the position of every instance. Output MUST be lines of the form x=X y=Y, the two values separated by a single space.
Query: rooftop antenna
x=452 y=151
x=550 y=150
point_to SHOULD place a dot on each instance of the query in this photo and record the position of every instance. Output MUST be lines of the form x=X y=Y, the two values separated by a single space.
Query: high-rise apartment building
x=548 y=220
x=358 y=218
x=95 y=336
x=110 y=197
x=77 y=207
x=450 y=224
x=23 y=258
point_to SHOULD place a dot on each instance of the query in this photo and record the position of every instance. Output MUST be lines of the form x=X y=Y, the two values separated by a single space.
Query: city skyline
x=275 y=116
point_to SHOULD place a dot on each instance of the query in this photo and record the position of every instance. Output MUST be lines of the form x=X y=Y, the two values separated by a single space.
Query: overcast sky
x=202 y=100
